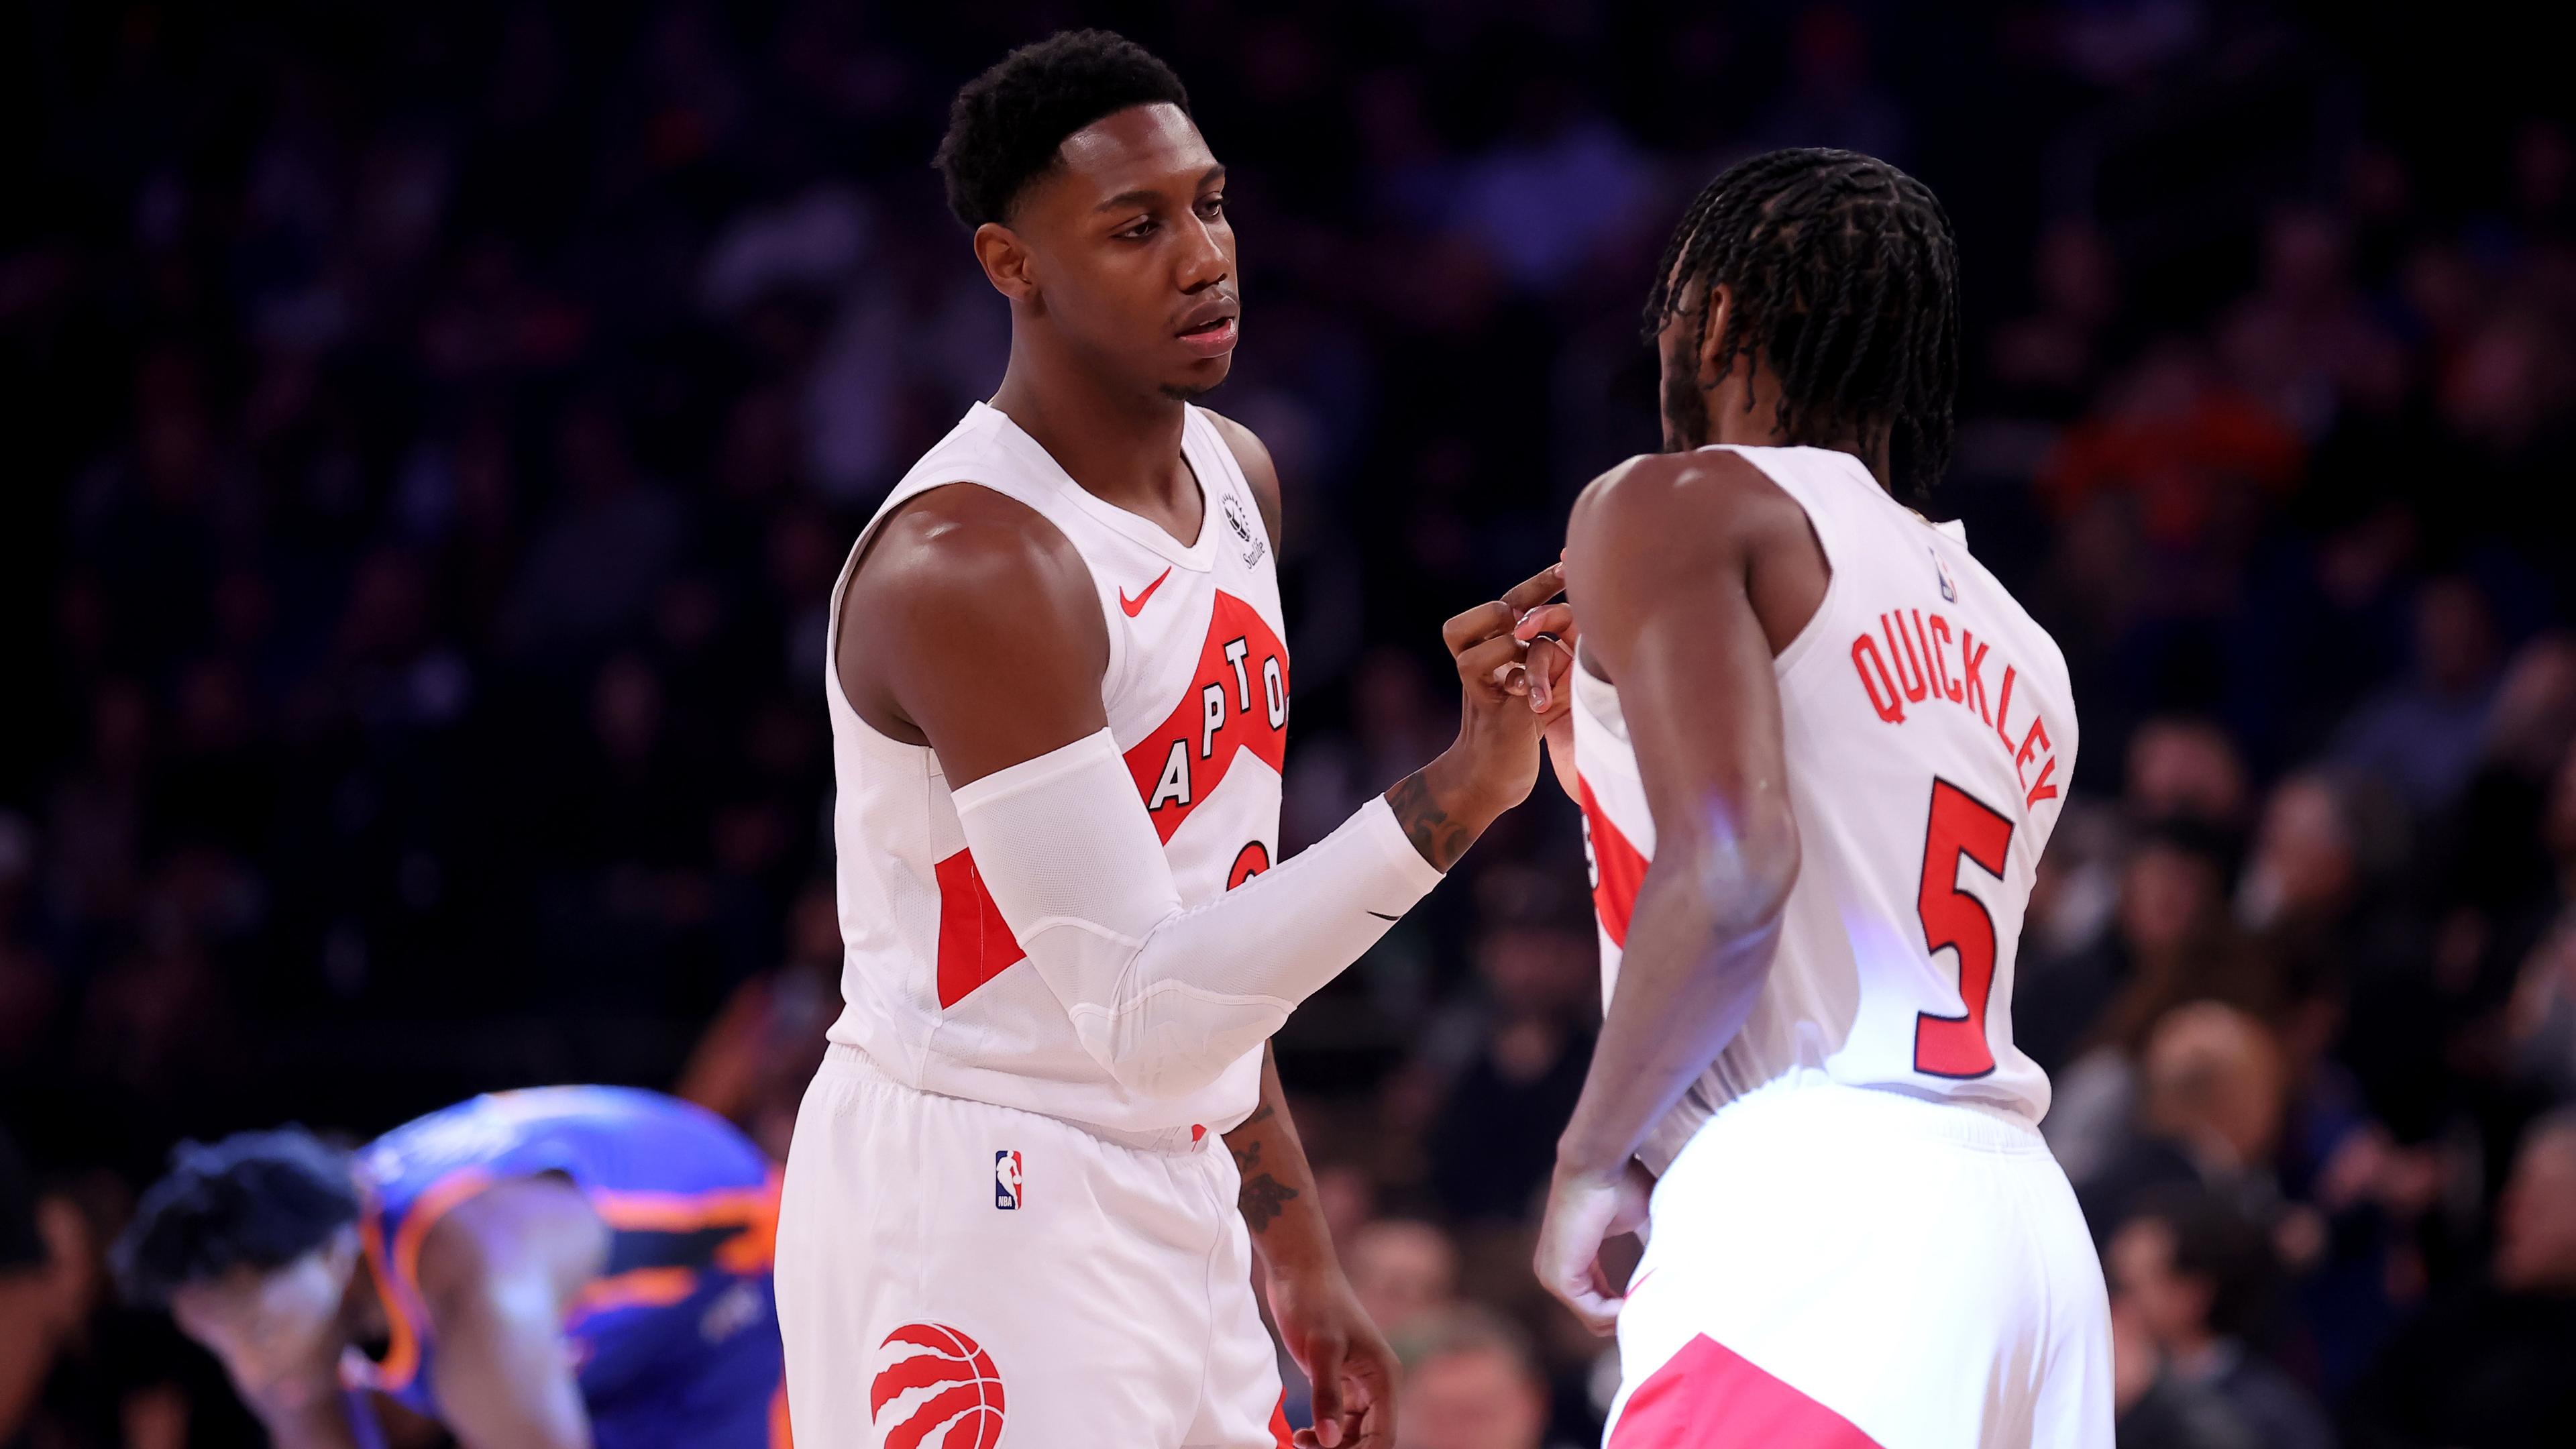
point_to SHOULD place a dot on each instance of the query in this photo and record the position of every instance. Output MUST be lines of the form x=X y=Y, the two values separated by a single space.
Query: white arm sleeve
x=1166 y=998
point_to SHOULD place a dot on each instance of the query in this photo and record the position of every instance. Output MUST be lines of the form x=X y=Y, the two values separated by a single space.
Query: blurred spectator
x=1512 y=1061
x=2199 y=1277
x=2541 y=1017
x=2305 y=342
x=2425 y=735
x=595 y=564
x=2174 y=442
x=1473 y=1384
x=2052 y=357
x=1406 y=1274
x=2180 y=767
x=752 y=1065
x=2210 y=1103
x=2158 y=1409
x=2487 y=1367
x=30 y=1319
x=2171 y=941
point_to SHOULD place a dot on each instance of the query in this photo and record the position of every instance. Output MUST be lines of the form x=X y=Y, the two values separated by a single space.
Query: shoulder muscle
x=974 y=621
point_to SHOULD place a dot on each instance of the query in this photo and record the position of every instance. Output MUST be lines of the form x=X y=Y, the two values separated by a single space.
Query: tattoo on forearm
x=1262 y=1200
x=1246 y=1156
x=1440 y=839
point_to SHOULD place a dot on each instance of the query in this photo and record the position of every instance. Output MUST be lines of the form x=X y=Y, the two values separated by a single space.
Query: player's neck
x=1748 y=417
x=1122 y=445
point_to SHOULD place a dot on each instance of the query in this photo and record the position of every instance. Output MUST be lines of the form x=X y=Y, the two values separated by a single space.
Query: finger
x=1473 y=626
x=1487 y=664
x=1547 y=665
x=1372 y=1420
x=1537 y=589
x=1598 y=1308
x=1324 y=1376
x=1557 y=619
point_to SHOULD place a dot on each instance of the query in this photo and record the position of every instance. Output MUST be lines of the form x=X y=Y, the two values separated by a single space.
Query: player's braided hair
x=1842 y=276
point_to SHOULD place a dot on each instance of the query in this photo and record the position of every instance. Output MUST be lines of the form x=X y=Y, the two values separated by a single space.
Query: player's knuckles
x=1479 y=662
x=1478 y=624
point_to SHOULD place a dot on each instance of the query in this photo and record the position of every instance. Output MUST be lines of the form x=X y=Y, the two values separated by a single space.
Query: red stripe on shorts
x=1710 y=1397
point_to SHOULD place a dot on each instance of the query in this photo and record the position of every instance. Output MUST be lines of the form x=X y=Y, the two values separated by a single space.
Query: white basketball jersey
x=937 y=993
x=1929 y=730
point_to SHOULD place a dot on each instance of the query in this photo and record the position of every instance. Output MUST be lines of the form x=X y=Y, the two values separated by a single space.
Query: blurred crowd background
x=431 y=433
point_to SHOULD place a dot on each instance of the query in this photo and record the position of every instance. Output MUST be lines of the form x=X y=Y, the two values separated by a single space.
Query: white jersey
x=937 y=993
x=1929 y=730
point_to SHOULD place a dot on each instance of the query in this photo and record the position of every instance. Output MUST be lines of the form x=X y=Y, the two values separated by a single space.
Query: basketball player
x=1059 y=702
x=1819 y=750
x=550 y=1269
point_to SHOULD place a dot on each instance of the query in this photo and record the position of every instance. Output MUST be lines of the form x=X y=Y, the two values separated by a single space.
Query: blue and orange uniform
x=676 y=1342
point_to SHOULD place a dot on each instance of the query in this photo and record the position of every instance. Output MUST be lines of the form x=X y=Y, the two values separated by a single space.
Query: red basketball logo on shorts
x=937 y=1378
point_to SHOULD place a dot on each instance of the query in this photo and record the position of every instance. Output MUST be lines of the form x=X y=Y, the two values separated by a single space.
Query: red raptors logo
x=941 y=1380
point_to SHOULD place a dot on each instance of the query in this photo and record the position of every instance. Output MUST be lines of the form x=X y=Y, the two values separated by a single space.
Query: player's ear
x=1006 y=261
x=1712 y=370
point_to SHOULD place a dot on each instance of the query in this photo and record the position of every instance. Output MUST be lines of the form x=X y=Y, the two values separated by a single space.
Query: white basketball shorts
x=1834 y=1267
x=961 y=1275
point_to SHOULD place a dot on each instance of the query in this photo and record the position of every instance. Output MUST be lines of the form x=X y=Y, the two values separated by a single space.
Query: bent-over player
x=560 y=1268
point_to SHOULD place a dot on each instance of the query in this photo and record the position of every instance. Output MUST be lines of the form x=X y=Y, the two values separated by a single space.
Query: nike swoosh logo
x=1136 y=605
x=1383 y=916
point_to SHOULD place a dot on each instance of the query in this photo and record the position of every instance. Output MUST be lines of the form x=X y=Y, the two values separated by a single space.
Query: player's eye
x=1139 y=231
x=1212 y=206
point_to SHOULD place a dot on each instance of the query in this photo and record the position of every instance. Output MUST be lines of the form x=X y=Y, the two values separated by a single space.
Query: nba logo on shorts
x=1006 y=1180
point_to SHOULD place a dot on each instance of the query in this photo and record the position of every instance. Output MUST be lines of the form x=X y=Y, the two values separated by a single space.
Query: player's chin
x=1197 y=376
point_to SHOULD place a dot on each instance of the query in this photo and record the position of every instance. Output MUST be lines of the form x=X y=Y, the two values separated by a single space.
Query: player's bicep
x=1658 y=569
x=1703 y=709
x=988 y=633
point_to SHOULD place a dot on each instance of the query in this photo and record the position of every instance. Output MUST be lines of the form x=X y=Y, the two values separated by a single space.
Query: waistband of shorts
x=845 y=1060
x=1812 y=1093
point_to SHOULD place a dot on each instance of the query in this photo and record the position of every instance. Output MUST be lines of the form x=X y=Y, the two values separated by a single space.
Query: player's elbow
x=1740 y=868
x=1161 y=1058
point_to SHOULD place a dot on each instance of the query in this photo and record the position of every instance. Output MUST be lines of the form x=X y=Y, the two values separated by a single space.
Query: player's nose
x=1203 y=261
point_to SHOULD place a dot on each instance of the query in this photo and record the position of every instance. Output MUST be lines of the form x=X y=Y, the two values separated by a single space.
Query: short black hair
x=260 y=1199
x=1006 y=124
x=1843 y=276
x=2216 y=1242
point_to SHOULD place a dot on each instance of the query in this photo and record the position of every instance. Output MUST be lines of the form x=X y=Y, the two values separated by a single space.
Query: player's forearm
x=1699 y=948
x=1164 y=997
x=1280 y=1206
x=1440 y=810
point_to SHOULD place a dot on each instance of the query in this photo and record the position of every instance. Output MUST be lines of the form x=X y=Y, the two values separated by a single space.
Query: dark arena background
x=429 y=434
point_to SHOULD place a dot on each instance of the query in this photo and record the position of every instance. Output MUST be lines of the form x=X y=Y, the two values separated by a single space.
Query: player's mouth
x=1209 y=330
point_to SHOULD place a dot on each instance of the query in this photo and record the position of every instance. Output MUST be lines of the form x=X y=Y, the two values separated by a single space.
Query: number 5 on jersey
x=1962 y=827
